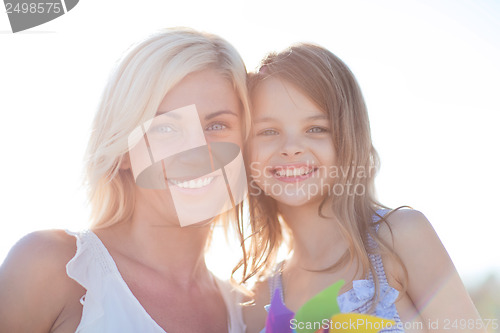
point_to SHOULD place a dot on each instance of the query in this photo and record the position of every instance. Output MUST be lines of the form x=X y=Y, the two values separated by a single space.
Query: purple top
x=359 y=298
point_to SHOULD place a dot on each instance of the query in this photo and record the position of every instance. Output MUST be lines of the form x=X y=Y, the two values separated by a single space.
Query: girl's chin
x=297 y=201
x=297 y=194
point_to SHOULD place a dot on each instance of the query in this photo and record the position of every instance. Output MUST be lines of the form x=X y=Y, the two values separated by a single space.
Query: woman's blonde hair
x=132 y=96
x=329 y=83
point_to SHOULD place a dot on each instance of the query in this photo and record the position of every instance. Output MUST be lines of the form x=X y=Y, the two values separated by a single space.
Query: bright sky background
x=429 y=70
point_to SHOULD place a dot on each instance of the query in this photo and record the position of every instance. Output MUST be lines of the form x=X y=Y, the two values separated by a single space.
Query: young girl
x=312 y=167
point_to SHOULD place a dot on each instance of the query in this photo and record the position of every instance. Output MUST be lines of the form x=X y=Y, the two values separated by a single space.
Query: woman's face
x=190 y=158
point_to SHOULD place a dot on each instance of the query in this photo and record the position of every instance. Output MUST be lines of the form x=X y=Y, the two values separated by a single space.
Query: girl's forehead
x=275 y=95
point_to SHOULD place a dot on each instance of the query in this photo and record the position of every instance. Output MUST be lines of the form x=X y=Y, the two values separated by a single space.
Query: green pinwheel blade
x=322 y=306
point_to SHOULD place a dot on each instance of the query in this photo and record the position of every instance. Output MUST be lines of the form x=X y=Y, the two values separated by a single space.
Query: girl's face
x=291 y=147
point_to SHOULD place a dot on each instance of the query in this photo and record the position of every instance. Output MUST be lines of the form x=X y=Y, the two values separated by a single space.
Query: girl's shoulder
x=254 y=312
x=402 y=225
x=411 y=236
x=434 y=289
x=33 y=280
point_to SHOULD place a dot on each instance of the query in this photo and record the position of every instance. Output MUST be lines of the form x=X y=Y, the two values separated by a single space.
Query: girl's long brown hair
x=329 y=83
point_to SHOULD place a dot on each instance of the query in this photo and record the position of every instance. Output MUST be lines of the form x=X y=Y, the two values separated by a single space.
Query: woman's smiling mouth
x=193 y=183
x=195 y=186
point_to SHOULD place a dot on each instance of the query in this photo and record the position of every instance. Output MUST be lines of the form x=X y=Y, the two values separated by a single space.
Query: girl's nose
x=291 y=148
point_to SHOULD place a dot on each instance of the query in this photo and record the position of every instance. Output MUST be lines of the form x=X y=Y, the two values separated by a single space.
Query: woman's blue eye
x=162 y=129
x=216 y=127
x=317 y=129
x=268 y=132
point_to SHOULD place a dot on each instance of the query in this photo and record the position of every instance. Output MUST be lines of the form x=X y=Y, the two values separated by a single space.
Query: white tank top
x=109 y=306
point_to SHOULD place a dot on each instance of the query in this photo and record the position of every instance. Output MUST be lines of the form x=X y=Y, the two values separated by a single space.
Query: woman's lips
x=193 y=183
x=192 y=186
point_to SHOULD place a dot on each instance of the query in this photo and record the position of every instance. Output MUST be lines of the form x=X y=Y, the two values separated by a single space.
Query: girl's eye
x=268 y=132
x=317 y=129
x=216 y=127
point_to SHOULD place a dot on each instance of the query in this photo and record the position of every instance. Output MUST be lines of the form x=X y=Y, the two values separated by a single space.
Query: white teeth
x=194 y=183
x=293 y=172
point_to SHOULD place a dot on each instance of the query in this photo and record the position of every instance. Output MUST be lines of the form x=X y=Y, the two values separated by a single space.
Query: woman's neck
x=156 y=240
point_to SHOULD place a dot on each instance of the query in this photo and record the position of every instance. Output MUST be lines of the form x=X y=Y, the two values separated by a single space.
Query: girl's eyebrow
x=264 y=120
x=270 y=119
x=320 y=116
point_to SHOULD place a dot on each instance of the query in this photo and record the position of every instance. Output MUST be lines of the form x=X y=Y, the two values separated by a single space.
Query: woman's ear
x=125 y=162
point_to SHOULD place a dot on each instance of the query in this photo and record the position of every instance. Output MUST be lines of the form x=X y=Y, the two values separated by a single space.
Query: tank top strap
x=110 y=306
x=91 y=267
x=375 y=258
x=91 y=262
x=275 y=282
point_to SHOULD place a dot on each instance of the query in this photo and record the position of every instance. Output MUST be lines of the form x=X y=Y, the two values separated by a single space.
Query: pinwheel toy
x=321 y=314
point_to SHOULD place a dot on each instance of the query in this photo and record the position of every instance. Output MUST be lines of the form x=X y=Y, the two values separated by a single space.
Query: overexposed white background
x=429 y=71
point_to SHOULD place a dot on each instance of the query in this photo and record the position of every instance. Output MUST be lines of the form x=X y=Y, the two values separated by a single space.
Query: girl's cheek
x=258 y=161
x=252 y=149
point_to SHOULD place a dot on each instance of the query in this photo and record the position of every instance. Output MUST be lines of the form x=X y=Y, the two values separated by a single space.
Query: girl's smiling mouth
x=293 y=173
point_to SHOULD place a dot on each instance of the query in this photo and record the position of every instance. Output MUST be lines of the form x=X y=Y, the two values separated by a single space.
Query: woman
x=163 y=161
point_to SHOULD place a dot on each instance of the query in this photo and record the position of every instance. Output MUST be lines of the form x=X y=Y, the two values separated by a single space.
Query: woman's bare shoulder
x=47 y=240
x=33 y=281
x=42 y=253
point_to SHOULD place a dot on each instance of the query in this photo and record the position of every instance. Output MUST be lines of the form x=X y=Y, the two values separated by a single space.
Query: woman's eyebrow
x=218 y=113
x=169 y=114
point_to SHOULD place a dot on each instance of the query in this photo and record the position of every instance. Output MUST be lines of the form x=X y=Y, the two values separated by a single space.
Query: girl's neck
x=317 y=241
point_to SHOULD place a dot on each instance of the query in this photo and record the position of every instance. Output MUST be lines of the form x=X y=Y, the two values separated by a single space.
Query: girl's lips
x=293 y=173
